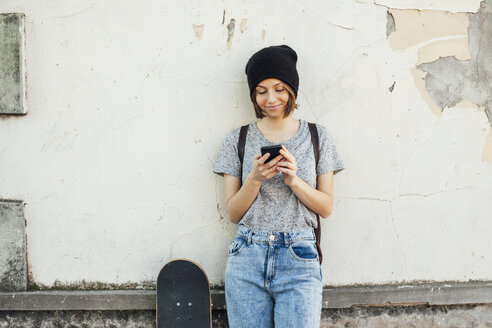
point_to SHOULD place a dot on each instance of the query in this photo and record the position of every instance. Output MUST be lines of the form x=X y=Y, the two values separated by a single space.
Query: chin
x=275 y=115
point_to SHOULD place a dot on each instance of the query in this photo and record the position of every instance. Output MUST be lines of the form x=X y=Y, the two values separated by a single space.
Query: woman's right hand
x=262 y=171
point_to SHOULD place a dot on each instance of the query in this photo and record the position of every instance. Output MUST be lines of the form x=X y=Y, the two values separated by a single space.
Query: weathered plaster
x=418 y=26
x=93 y=285
x=435 y=34
x=445 y=5
x=419 y=78
x=12 y=72
x=199 y=30
x=244 y=25
x=433 y=51
x=450 y=80
x=487 y=148
x=390 y=23
x=13 y=262
x=117 y=165
x=453 y=63
x=230 y=32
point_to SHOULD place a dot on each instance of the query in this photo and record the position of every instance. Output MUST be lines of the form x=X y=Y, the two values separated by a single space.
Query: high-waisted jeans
x=273 y=280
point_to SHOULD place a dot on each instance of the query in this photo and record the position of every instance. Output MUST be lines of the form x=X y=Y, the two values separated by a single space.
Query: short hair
x=291 y=103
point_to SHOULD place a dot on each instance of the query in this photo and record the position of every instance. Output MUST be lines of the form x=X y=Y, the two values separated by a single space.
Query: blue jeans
x=273 y=279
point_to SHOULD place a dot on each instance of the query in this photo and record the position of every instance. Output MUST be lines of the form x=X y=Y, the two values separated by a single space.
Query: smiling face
x=273 y=98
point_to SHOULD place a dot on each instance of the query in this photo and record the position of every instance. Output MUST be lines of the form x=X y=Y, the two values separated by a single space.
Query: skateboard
x=183 y=296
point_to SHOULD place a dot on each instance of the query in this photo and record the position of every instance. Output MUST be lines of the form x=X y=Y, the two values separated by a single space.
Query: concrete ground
x=422 y=316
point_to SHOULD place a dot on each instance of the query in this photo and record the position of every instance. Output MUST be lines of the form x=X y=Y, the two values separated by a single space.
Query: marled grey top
x=277 y=208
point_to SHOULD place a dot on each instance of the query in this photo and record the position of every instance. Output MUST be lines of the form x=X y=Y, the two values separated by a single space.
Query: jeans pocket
x=236 y=246
x=304 y=250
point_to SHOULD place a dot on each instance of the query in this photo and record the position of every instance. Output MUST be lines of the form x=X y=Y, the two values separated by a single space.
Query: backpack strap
x=241 y=143
x=315 y=141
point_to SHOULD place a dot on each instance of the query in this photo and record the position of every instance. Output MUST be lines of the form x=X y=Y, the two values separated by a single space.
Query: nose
x=272 y=98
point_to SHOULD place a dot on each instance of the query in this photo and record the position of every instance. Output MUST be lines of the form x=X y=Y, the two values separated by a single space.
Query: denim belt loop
x=250 y=237
x=286 y=239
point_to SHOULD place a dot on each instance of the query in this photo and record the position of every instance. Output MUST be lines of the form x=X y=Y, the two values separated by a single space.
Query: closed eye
x=263 y=92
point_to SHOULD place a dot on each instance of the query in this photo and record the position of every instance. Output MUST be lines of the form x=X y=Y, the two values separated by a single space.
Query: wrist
x=294 y=182
x=252 y=181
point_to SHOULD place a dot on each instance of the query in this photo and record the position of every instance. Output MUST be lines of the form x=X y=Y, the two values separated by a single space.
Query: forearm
x=242 y=200
x=317 y=201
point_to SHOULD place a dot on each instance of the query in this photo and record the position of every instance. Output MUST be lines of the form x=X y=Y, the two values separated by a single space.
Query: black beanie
x=277 y=62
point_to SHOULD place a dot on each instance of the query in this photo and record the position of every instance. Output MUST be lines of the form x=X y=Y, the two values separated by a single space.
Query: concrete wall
x=128 y=103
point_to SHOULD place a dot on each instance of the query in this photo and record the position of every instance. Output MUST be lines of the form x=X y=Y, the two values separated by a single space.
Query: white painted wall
x=127 y=108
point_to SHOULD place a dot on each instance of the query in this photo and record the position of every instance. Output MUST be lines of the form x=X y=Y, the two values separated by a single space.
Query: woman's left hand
x=287 y=166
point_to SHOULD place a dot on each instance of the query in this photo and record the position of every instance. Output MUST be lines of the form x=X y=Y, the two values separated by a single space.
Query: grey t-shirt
x=277 y=208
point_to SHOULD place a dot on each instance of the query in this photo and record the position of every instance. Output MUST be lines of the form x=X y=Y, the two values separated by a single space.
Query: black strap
x=241 y=143
x=315 y=140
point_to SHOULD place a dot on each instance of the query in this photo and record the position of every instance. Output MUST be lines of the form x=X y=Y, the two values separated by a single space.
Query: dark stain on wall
x=390 y=23
x=11 y=63
x=13 y=264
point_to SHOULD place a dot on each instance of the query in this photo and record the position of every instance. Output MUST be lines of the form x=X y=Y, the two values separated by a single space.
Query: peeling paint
x=392 y=87
x=415 y=26
x=445 y=81
x=487 y=148
x=450 y=80
x=390 y=23
x=244 y=25
x=364 y=50
x=419 y=80
x=433 y=51
x=454 y=6
x=230 y=32
x=199 y=30
x=457 y=48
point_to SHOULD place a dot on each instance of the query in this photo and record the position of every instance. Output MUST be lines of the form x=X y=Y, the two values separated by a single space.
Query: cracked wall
x=450 y=81
x=129 y=106
x=454 y=50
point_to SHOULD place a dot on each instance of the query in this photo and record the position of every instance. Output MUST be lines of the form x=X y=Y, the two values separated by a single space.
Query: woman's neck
x=278 y=131
x=278 y=125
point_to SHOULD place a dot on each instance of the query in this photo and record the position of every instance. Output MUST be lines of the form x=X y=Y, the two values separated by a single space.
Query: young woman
x=273 y=275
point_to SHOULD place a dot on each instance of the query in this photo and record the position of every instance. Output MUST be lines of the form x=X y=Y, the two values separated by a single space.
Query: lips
x=273 y=107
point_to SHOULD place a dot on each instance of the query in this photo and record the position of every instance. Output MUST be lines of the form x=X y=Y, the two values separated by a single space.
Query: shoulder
x=323 y=133
x=232 y=136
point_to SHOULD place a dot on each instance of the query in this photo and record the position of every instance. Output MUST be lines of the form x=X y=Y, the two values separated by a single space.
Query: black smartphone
x=273 y=150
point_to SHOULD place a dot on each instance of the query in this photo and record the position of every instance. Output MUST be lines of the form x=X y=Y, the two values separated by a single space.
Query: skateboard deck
x=183 y=296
